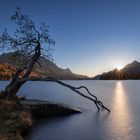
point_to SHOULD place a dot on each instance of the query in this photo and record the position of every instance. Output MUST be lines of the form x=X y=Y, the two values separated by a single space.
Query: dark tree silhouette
x=29 y=41
x=33 y=43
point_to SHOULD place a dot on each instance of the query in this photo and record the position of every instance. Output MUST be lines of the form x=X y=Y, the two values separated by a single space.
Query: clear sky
x=92 y=36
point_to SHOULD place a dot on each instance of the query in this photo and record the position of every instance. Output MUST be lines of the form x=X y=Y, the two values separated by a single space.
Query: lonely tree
x=32 y=42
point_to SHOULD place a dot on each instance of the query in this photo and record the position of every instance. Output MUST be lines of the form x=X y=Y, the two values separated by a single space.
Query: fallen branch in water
x=93 y=98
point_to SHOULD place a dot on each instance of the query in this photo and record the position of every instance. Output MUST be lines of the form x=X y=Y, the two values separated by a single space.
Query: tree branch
x=14 y=79
x=97 y=102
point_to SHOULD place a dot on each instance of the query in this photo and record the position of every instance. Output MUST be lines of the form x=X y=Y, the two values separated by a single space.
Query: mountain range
x=130 y=71
x=9 y=62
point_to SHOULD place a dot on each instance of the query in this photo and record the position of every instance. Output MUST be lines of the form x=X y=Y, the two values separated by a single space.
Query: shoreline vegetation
x=17 y=117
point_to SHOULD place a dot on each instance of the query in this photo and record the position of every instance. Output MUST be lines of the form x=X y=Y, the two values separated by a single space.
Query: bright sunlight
x=119 y=66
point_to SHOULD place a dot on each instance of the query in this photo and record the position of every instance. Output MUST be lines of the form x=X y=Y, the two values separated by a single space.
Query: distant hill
x=9 y=61
x=130 y=71
x=133 y=67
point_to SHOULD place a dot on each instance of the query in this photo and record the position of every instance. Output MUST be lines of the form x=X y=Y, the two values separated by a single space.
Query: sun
x=119 y=67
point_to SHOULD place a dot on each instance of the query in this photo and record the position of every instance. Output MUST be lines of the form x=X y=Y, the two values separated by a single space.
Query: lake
x=121 y=97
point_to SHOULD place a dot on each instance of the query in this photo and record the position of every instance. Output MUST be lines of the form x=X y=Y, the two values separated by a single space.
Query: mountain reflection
x=121 y=112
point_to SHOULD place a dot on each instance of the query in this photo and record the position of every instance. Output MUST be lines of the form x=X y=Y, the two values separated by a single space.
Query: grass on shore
x=14 y=120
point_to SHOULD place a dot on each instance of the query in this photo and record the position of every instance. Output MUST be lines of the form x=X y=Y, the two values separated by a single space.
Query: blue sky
x=92 y=36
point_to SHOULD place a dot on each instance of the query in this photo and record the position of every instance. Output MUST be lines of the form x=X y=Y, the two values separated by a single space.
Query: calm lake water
x=121 y=97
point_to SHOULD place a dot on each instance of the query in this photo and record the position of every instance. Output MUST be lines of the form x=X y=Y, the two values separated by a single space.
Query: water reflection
x=121 y=113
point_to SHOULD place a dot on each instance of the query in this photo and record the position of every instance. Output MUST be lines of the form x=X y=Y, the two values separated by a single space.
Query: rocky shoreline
x=15 y=118
x=39 y=108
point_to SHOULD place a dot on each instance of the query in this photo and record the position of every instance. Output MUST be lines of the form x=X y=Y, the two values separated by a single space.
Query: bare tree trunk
x=16 y=83
x=9 y=94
